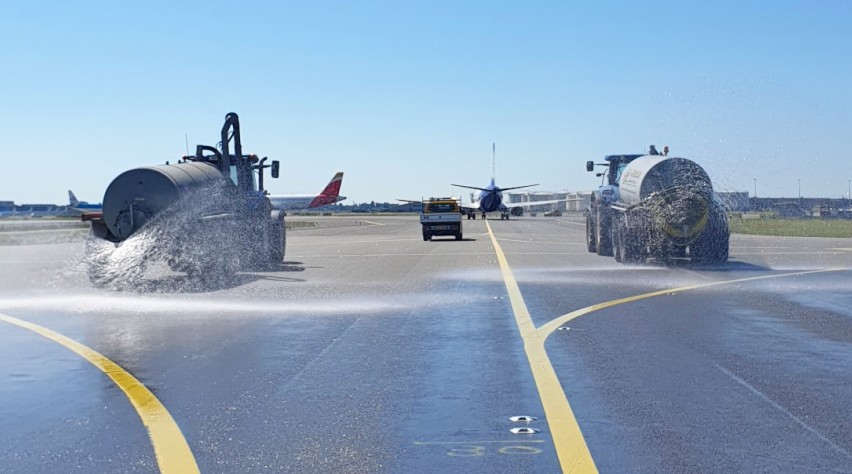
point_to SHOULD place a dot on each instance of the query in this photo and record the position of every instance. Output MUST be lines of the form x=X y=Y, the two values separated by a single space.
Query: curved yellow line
x=170 y=447
x=571 y=448
x=547 y=329
x=568 y=440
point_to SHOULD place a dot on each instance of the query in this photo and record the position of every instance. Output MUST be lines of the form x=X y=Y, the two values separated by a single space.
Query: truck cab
x=441 y=216
x=597 y=214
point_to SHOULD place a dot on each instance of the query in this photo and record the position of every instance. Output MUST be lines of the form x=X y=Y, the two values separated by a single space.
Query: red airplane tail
x=330 y=193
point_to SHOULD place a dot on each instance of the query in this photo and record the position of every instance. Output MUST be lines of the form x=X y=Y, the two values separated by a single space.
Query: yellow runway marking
x=545 y=330
x=571 y=448
x=574 y=455
x=170 y=447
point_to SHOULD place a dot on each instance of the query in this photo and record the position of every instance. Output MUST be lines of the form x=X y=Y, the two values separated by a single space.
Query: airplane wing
x=470 y=187
x=518 y=187
x=511 y=205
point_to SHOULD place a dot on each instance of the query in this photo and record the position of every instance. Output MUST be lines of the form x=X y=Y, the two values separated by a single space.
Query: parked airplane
x=82 y=206
x=490 y=198
x=295 y=202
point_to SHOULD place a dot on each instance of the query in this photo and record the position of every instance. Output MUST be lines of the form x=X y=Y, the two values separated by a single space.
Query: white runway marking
x=782 y=409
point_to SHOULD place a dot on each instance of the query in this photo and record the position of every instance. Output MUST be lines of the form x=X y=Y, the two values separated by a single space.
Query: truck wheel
x=617 y=245
x=714 y=249
x=426 y=236
x=712 y=246
x=459 y=236
x=590 y=235
x=277 y=242
x=633 y=252
x=603 y=233
x=626 y=247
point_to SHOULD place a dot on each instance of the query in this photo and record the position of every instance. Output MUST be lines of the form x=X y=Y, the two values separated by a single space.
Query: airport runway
x=373 y=351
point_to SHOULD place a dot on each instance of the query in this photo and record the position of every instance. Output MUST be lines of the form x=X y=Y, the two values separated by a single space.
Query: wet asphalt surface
x=370 y=350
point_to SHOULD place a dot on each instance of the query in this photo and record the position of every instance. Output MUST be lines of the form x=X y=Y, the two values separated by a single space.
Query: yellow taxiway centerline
x=547 y=329
x=170 y=447
x=574 y=455
x=571 y=448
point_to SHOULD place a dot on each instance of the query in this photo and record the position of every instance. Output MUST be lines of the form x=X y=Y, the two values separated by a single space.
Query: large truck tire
x=591 y=244
x=603 y=234
x=714 y=248
x=633 y=251
x=277 y=242
x=626 y=247
x=277 y=238
x=713 y=245
x=617 y=245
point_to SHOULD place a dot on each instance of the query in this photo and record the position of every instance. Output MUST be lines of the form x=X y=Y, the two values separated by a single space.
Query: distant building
x=735 y=201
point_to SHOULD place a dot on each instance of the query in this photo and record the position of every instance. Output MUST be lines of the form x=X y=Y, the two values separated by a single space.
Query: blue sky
x=407 y=97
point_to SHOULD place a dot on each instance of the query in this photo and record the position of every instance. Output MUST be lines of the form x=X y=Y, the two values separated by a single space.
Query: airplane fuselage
x=86 y=207
x=304 y=201
x=328 y=196
x=490 y=199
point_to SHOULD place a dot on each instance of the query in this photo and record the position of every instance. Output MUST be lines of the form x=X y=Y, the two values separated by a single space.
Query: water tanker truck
x=206 y=214
x=656 y=206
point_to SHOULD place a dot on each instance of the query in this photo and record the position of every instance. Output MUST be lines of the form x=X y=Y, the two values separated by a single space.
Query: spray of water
x=208 y=233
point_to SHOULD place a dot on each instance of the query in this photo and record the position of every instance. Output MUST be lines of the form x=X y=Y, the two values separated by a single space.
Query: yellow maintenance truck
x=441 y=216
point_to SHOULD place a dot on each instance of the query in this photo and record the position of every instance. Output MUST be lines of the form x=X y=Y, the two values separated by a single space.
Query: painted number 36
x=471 y=451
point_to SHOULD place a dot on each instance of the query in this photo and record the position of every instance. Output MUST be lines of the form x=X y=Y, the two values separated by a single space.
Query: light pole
x=800 y=189
x=754 y=206
x=849 y=192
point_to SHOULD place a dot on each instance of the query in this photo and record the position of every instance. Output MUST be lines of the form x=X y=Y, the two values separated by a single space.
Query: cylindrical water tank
x=135 y=196
x=656 y=174
x=676 y=191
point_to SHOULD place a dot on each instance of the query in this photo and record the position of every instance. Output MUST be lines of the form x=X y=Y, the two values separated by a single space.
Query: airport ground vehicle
x=441 y=216
x=656 y=206
x=211 y=211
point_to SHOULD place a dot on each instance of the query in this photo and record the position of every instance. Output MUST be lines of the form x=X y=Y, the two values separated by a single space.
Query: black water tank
x=135 y=196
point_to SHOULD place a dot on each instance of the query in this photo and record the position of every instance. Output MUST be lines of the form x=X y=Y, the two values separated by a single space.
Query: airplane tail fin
x=72 y=199
x=493 y=162
x=330 y=194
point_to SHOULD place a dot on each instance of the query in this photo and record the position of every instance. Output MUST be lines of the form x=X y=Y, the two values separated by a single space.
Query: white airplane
x=490 y=198
x=295 y=202
x=82 y=206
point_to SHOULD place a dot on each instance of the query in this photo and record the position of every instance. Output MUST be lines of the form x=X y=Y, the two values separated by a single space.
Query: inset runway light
x=522 y=419
x=564 y=328
x=524 y=430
